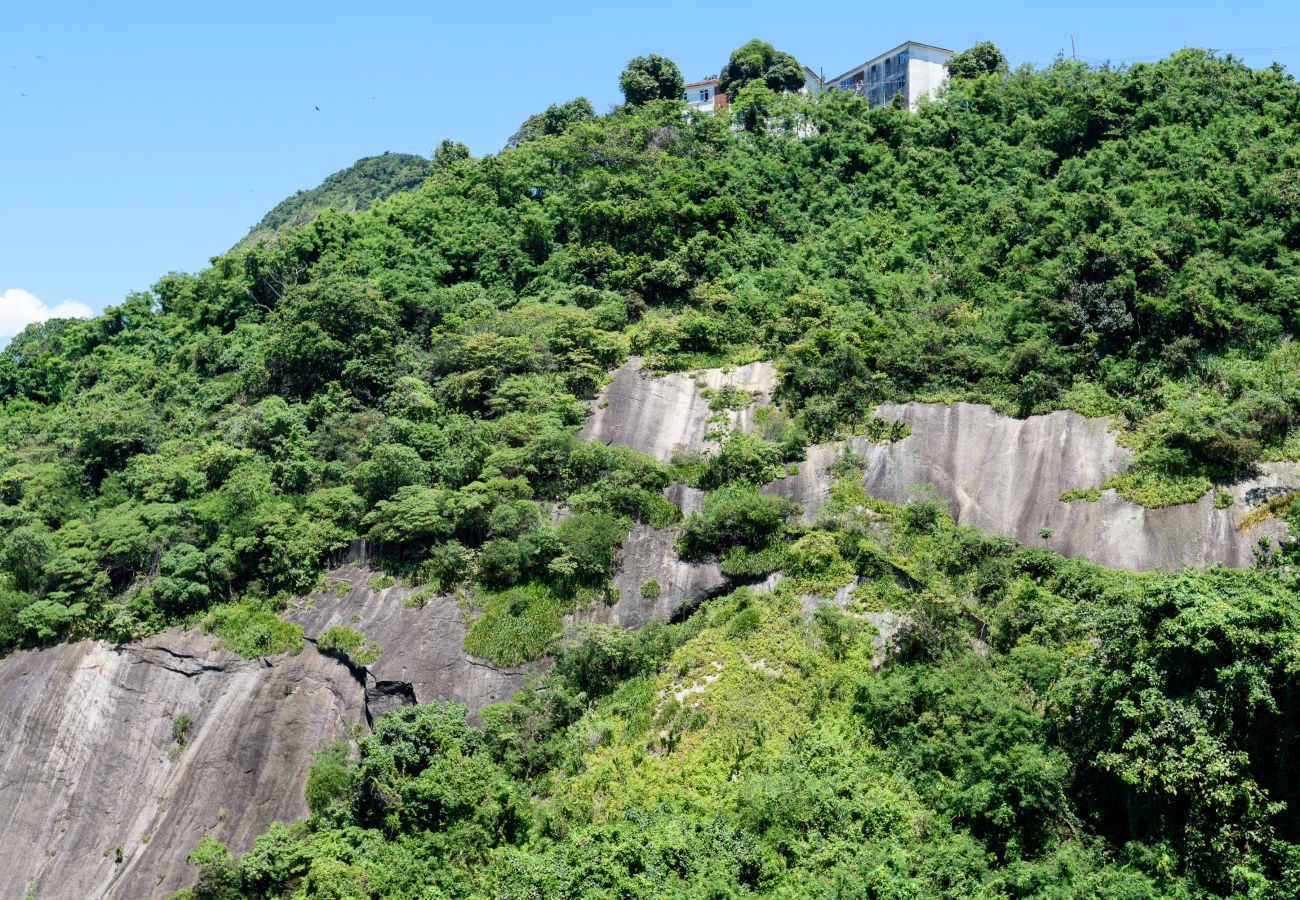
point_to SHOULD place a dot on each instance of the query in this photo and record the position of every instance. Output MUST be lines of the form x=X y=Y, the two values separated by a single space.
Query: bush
x=744 y=458
x=516 y=625
x=350 y=643
x=734 y=516
x=253 y=631
x=329 y=780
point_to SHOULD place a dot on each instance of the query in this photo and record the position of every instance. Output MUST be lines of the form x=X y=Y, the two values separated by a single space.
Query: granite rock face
x=661 y=415
x=423 y=656
x=1007 y=475
x=650 y=555
x=90 y=764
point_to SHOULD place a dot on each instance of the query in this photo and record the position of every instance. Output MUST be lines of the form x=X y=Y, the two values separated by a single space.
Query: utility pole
x=1073 y=55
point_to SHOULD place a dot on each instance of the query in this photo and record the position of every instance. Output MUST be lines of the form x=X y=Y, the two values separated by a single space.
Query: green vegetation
x=350 y=643
x=357 y=187
x=649 y=78
x=253 y=629
x=1119 y=240
x=1113 y=735
x=1092 y=495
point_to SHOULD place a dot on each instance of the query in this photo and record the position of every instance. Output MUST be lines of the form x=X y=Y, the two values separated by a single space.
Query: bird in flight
x=318 y=109
x=22 y=95
x=40 y=57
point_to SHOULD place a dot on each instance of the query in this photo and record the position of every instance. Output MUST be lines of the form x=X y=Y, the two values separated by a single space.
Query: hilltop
x=356 y=188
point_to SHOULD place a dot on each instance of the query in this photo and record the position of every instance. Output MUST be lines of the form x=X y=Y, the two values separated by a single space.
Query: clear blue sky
x=152 y=135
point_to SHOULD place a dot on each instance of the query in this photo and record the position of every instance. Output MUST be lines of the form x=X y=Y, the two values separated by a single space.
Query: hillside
x=855 y=696
x=355 y=188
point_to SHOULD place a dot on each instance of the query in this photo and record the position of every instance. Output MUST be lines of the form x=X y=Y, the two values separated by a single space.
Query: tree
x=759 y=61
x=448 y=153
x=982 y=59
x=652 y=77
x=556 y=119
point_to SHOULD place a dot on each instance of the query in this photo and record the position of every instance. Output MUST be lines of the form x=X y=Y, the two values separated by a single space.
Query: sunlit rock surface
x=89 y=761
x=423 y=656
x=661 y=415
x=1007 y=475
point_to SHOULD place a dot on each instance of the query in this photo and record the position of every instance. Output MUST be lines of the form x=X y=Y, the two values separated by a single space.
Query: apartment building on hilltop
x=912 y=69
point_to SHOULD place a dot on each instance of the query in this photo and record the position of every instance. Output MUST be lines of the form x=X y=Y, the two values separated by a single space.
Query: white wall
x=693 y=97
x=925 y=73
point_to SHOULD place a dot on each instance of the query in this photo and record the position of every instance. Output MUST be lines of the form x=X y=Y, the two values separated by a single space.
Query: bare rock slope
x=98 y=798
x=1007 y=475
x=423 y=656
x=661 y=415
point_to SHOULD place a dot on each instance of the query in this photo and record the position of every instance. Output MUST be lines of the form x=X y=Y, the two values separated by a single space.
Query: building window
x=704 y=95
x=846 y=83
x=686 y=96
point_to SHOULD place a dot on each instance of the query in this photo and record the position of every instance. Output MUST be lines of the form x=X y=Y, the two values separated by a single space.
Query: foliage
x=758 y=62
x=1118 y=240
x=252 y=630
x=1116 y=735
x=352 y=644
x=983 y=58
x=651 y=77
x=358 y=187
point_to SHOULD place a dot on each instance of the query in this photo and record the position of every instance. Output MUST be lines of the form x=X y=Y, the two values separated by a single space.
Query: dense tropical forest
x=1121 y=241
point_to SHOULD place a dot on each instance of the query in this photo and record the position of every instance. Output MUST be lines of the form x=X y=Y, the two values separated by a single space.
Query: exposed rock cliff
x=660 y=415
x=92 y=766
x=423 y=656
x=1007 y=475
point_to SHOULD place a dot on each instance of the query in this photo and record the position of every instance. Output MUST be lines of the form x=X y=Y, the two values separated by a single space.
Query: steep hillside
x=355 y=188
x=840 y=301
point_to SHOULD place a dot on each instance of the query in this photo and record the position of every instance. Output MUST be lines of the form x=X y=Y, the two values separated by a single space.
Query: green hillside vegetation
x=1045 y=728
x=1118 y=241
x=355 y=188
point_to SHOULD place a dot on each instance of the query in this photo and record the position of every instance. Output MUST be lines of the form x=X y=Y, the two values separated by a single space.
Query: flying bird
x=318 y=109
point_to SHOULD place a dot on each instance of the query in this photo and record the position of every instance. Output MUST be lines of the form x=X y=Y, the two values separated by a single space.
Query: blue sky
x=152 y=135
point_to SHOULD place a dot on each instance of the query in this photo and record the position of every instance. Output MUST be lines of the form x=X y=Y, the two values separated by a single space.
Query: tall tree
x=983 y=58
x=759 y=61
x=652 y=77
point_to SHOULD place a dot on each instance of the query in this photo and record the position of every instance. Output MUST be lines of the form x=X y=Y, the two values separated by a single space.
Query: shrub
x=516 y=625
x=650 y=588
x=329 y=780
x=350 y=643
x=744 y=458
x=252 y=631
x=734 y=516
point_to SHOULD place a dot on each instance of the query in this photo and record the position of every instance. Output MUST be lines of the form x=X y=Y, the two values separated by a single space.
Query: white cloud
x=18 y=309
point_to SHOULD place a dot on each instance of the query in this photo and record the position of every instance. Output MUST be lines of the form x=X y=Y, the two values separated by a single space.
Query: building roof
x=691 y=84
x=878 y=56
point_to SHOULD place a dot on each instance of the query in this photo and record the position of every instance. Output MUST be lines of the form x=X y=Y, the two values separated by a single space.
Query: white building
x=704 y=95
x=912 y=69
